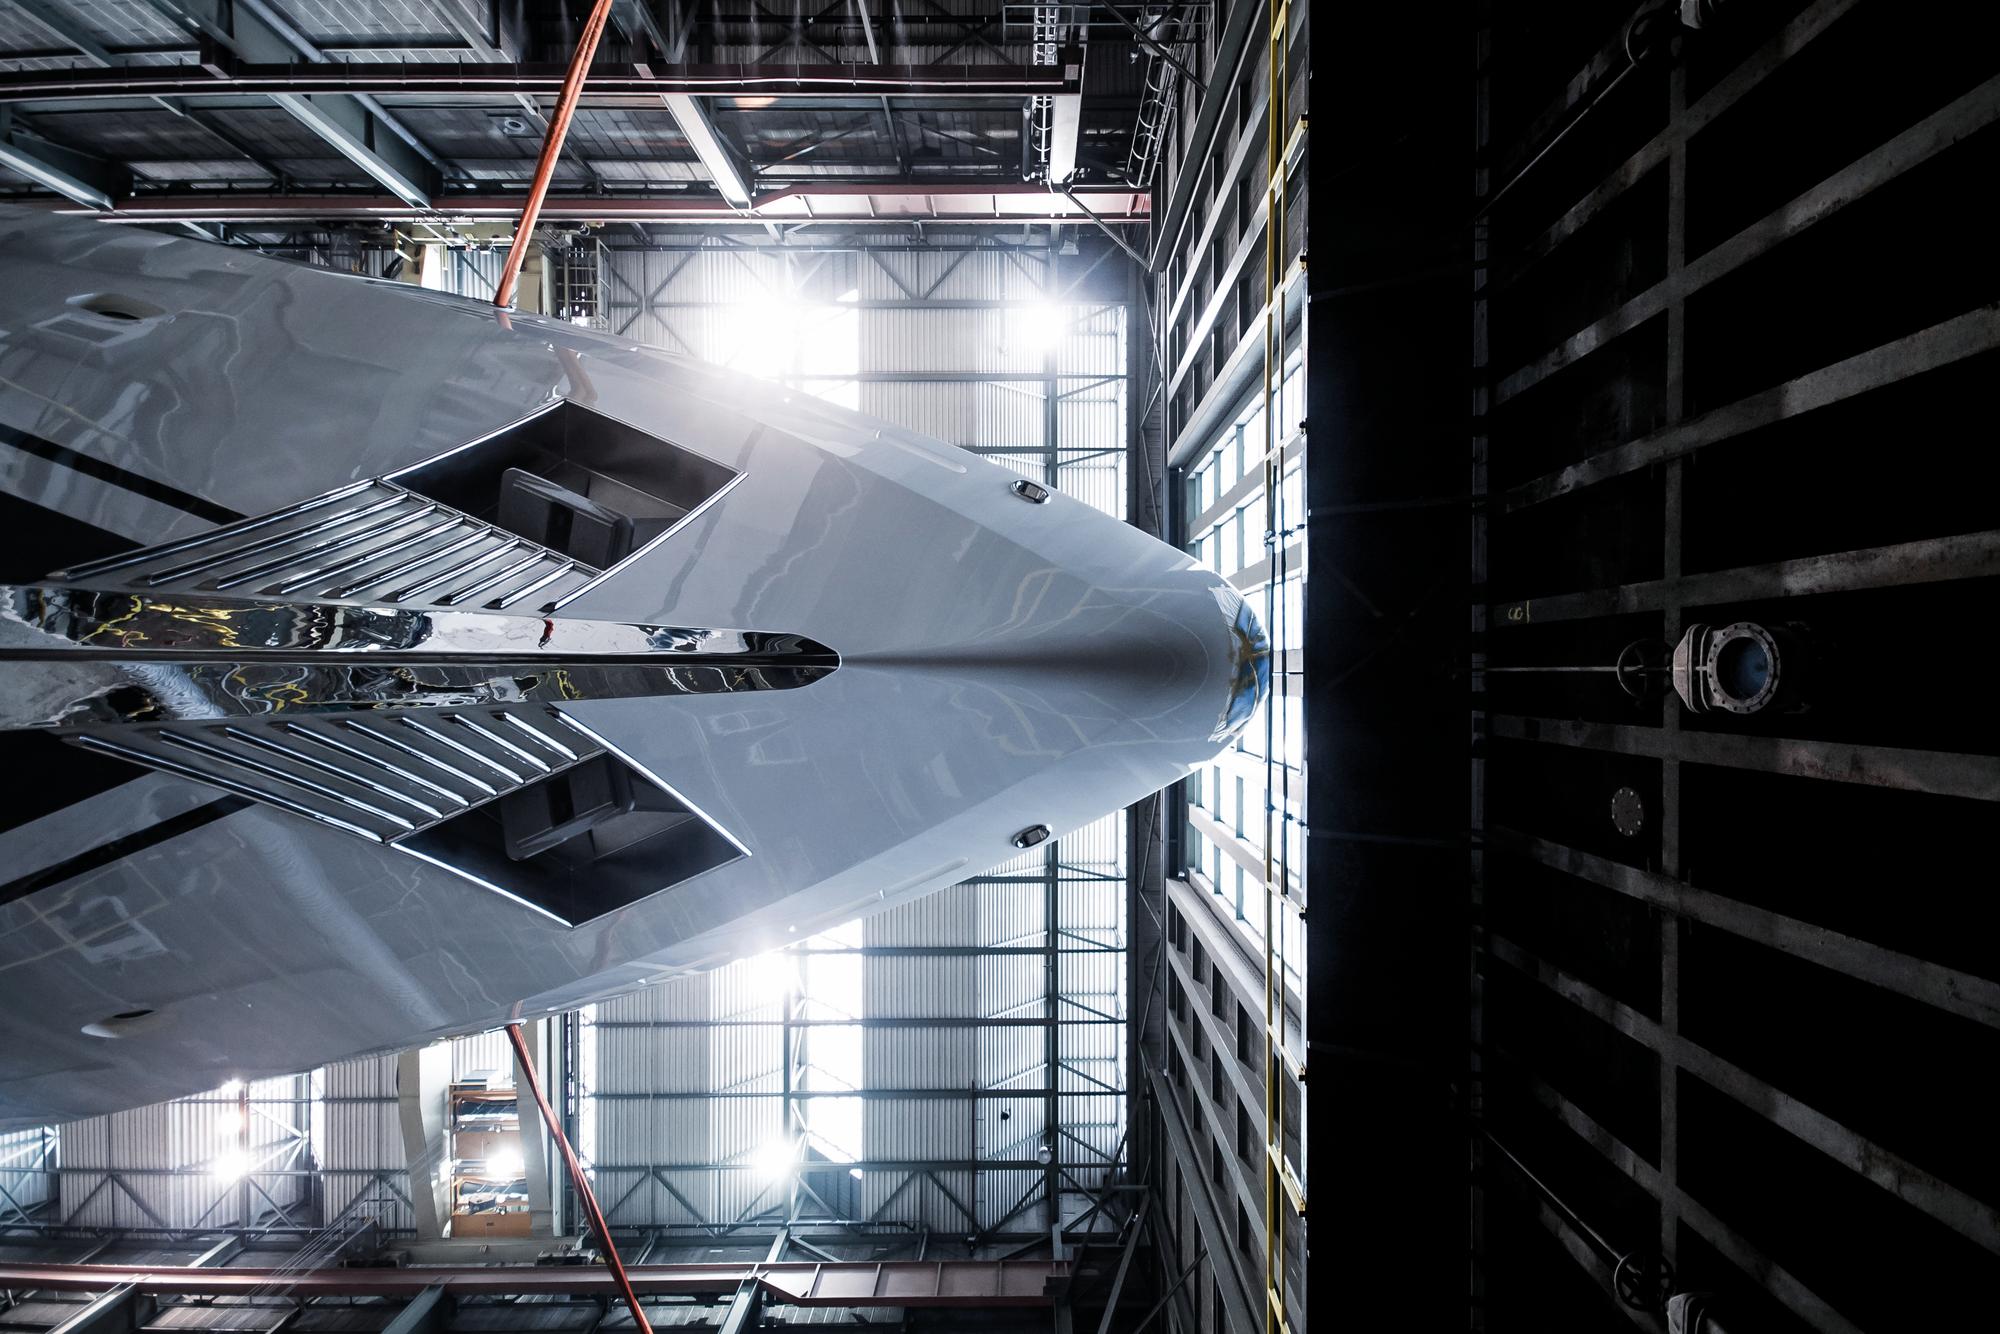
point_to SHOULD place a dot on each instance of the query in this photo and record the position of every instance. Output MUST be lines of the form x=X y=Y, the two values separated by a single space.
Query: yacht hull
x=995 y=665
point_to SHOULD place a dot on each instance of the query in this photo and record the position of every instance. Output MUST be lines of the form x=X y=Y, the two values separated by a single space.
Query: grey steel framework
x=215 y=115
x=1720 y=375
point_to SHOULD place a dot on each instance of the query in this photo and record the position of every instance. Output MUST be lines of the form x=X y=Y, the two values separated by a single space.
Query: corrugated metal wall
x=194 y=1162
x=648 y=1047
x=358 y=1143
x=26 y=1156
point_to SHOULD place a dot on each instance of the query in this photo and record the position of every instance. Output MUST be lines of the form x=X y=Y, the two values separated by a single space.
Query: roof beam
x=361 y=136
x=89 y=181
x=61 y=26
x=988 y=202
x=932 y=1283
x=426 y=1313
x=119 y=1311
x=716 y=159
x=354 y=126
x=280 y=71
x=473 y=33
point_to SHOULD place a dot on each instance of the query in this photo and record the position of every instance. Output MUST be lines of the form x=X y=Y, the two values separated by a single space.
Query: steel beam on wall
x=1236 y=29
x=1237 y=1314
x=1863 y=185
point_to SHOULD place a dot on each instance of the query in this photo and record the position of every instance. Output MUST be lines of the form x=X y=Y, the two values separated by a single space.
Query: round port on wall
x=1743 y=667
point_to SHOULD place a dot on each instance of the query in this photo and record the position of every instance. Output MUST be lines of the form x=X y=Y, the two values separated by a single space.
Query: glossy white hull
x=1002 y=665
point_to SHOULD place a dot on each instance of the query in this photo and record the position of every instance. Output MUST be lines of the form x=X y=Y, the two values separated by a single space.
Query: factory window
x=1215 y=1172
x=1200 y=964
x=1244 y=1136
x=1244 y=1032
x=1255 y=791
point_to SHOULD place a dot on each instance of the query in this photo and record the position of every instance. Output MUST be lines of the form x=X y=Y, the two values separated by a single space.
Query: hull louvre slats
x=372 y=542
x=337 y=771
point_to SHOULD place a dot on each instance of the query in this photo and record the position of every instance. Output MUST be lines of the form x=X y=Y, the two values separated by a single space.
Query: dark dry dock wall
x=1736 y=343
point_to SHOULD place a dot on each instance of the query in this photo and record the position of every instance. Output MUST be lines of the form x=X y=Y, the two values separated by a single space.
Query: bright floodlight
x=230 y=1165
x=759 y=336
x=230 y=1088
x=507 y=1165
x=1034 y=329
x=775 y=1158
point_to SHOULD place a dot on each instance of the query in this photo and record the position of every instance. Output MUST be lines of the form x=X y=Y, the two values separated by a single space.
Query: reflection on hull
x=485 y=746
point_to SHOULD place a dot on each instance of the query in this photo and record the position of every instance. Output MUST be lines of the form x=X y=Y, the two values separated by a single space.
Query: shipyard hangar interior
x=1593 y=929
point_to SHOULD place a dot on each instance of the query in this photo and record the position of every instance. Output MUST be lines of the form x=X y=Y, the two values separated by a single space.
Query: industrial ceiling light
x=775 y=1158
x=1741 y=668
x=1034 y=328
x=230 y=1165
